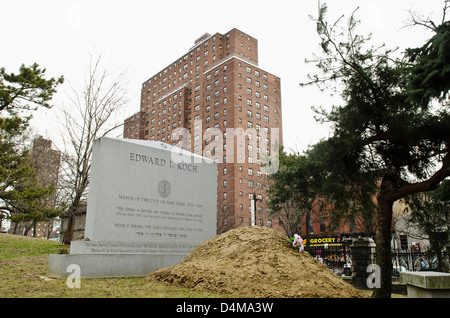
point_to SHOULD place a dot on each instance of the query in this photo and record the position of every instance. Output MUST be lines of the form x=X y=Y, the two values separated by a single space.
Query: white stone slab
x=109 y=265
x=426 y=284
x=149 y=206
x=141 y=192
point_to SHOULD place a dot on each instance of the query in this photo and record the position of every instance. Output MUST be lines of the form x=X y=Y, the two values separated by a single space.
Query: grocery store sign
x=321 y=241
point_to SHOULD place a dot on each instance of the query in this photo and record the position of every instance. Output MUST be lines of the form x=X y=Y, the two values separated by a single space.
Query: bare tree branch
x=91 y=114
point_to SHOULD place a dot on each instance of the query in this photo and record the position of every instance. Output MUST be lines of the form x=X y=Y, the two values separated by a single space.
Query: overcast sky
x=146 y=36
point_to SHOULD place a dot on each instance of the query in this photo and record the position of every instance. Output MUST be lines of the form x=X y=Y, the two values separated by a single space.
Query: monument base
x=110 y=265
x=426 y=284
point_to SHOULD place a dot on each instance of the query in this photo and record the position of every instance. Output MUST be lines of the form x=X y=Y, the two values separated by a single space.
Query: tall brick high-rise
x=216 y=101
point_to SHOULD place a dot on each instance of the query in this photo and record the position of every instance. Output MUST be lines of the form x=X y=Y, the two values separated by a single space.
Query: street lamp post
x=253 y=209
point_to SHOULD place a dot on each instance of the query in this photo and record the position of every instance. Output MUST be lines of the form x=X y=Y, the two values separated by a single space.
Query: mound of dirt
x=255 y=262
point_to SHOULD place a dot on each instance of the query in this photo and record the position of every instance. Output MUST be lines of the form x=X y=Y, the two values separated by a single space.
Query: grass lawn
x=23 y=270
x=15 y=246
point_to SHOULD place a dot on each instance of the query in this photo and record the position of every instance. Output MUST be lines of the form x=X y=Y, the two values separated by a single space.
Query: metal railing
x=338 y=260
x=411 y=260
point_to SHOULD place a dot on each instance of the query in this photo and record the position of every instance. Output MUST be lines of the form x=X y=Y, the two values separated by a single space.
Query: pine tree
x=21 y=196
x=388 y=140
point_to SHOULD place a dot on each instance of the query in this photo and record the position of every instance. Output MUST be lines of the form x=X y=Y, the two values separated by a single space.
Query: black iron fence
x=413 y=260
x=338 y=260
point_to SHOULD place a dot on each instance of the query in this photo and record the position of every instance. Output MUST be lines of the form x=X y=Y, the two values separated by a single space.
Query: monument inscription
x=138 y=193
x=149 y=205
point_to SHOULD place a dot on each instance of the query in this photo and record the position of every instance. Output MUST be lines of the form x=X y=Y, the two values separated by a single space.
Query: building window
x=403 y=242
x=322 y=224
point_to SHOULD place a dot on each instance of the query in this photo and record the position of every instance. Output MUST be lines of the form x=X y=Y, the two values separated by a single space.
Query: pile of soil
x=255 y=262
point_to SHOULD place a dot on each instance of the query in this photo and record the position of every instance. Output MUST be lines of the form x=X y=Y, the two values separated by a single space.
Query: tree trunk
x=72 y=211
x=308 y=229
x=68 y=232
x=34 y=227
x=27 y=227
x=383 y=238
x=15 y=227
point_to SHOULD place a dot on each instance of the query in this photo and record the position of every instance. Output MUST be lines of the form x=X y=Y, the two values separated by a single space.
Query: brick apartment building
x=46 y=163
x=217 y=102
